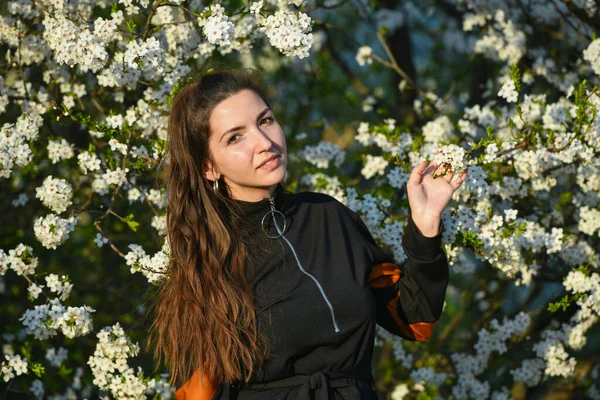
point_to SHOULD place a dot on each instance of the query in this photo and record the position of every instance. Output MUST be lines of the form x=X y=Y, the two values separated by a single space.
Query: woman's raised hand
x=428 y=196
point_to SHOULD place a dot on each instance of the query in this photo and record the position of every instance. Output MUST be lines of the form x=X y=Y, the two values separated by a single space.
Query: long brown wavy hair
x=204 y=316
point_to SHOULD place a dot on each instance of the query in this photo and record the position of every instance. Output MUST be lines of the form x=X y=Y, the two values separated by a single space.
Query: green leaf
x=64 y=372
x=515 y=74
x=38 y=369
x=584 y=269
x=404 y=164
x=205 y=14
x=131 y=222
x=562 y=303
x=131 y=26
x=139 y=164
x=469 y=239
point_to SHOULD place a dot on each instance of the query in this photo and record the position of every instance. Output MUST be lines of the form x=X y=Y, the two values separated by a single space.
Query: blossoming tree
x=507 y=88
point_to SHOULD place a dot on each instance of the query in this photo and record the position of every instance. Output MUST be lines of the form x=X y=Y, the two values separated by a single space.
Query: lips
x=269 y=159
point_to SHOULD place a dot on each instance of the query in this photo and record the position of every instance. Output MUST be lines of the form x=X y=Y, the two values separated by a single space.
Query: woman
x=274 y=295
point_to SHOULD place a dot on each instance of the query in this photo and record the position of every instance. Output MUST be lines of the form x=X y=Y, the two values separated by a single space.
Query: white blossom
x=57 y=357
x=73 y=44
x=217 y=28
x=59 y=150
x=88 y=162
x=374 y=165
x=592 y=55
x=110 y=368
x=100 y=240
x=438 y=130
x=364 y=55
x=55 y=193
x=508 y=91
x=13 y=366
x=321 y=154
x=289 y=32
x=52 y=230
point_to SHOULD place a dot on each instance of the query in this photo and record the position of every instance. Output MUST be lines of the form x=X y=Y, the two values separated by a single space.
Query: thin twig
x=149 y=19
x=394 y=64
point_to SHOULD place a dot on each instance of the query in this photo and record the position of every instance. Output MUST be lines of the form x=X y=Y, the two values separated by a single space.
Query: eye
x=269 y=119
x=233 y=138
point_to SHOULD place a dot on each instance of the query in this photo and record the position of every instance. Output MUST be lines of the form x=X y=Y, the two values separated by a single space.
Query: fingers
x=457 y=182
x=445 y=172
x=415 y=175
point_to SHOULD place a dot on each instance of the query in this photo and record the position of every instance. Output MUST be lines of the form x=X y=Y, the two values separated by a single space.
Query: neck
x=256 y=195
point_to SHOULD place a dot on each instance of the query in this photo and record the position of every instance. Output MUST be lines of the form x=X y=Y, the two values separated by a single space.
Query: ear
x=209 y=172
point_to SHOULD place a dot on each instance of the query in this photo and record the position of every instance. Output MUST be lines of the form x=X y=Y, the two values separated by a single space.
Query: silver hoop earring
x=216 y=185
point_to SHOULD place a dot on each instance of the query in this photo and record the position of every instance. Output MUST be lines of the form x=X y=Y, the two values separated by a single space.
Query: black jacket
x=361 y=286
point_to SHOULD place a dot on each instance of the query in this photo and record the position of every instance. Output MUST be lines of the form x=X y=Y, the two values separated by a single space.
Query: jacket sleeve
x=409 y=297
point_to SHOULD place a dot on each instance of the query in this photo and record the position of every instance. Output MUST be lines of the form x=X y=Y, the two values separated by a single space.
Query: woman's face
x=247 y=146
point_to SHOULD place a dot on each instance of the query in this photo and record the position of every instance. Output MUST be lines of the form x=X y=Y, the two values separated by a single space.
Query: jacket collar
x=253 y=211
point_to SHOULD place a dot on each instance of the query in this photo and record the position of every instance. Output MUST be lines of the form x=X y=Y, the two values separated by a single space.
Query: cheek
x=242 y=153
x=280 y=137
x=238 y=158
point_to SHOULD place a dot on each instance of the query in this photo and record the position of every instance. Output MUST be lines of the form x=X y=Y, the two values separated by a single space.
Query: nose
x=262 y=140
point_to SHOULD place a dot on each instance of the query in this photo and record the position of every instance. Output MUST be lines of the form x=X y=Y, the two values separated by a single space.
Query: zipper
x=273 y=211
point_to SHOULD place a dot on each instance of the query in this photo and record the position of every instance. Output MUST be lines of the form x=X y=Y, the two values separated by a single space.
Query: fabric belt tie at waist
x=319 y=382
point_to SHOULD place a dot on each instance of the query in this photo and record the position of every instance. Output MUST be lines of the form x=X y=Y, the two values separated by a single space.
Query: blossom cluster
x=503 y=39
x=88 y=162
x=52 y=230
x=508 y=91
x=400 y=353
x=453 y=157
x=59 y=285
x=373 y=211
x=110 y=368
x=155 y=267
x=468 y=367
x=366 y=137
x=289 y=32
x=439 y=130
x=592 y=55
x=14 y=138
x=46 y=320
x=374 y=165
x=56 y=357
x=20 y=260
x=322 y=153
x=323 y=183
x=144 y=55
x=217 y=28
x=13 y=366
x=74 y=45
x=55 y=193
x=59 y=150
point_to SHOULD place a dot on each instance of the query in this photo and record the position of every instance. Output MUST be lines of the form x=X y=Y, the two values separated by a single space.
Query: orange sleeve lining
x=196 y=388
x=386 y=275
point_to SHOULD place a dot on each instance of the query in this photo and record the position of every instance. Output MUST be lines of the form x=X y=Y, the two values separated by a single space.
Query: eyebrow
x=237 y=128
